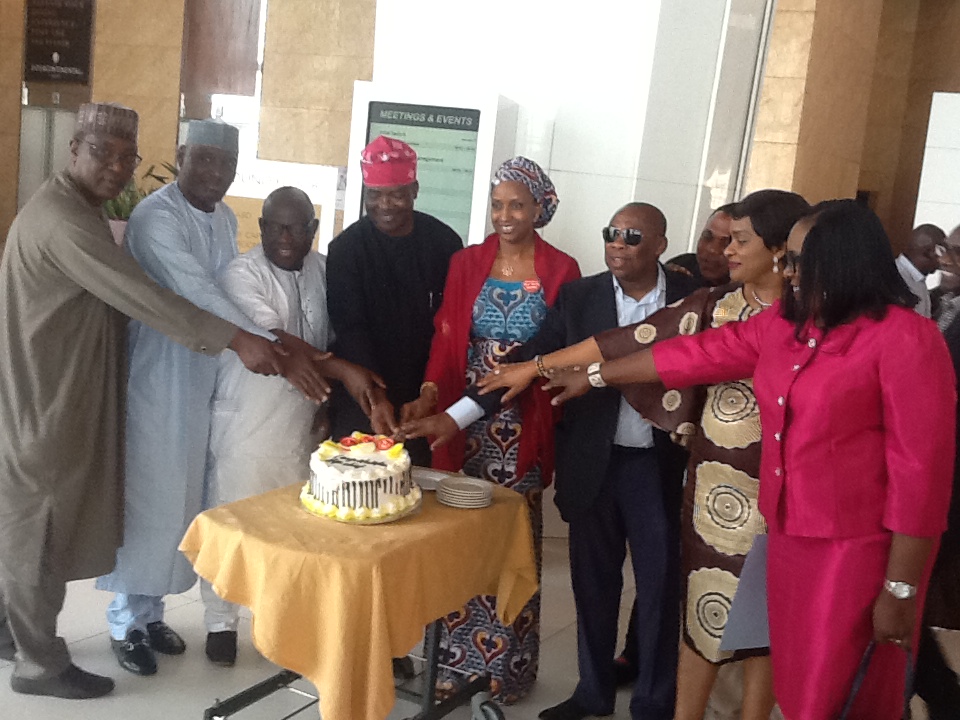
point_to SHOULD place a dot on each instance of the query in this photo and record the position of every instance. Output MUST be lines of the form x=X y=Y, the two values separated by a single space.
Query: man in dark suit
x=618 y=481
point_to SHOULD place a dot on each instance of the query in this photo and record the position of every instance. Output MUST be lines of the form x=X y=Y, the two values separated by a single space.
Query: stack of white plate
x=464 y=492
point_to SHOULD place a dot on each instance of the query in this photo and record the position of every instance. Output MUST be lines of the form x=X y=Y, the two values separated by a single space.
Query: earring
x=776 y=264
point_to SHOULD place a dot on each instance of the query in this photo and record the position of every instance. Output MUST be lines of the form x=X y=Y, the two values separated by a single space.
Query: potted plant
x=119 y=208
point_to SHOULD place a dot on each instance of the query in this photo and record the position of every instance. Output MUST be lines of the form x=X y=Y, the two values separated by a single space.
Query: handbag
x=862 y=674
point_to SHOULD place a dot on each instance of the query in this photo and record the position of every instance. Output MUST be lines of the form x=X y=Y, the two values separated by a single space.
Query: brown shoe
x=72 y=684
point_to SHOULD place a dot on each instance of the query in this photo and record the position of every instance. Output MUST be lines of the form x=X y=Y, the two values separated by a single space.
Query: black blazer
x=584 y=436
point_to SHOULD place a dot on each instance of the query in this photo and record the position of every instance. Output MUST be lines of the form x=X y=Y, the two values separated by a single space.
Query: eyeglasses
x=629 y=235
x=273 y=230
x=791 y=261
x=128 y=161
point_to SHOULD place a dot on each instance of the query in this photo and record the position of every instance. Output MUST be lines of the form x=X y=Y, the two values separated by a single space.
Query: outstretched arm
x=516 y=377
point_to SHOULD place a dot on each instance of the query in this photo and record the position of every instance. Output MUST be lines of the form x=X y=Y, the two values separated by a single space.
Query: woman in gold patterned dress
x=721 y=426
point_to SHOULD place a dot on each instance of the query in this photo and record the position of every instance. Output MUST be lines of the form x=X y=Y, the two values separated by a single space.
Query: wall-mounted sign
x=446 y=143
x=58 y=40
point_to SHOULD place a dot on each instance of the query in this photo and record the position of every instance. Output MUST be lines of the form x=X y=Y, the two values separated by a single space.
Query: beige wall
x=846 y=99
x=888 y=102
x=136 y=62
x=11 y=72
x=837 y=95
x=812 y=116
x=314 y=50
x=773 y=153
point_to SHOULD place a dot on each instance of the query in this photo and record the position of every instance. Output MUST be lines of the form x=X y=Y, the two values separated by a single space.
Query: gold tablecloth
x=335 y=602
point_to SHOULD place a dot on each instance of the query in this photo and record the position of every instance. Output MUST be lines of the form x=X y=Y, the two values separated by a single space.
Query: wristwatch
x=593 y=375
x=900 y=590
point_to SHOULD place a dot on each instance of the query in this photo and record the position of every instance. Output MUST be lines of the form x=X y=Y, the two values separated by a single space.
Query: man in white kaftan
x=262 y=434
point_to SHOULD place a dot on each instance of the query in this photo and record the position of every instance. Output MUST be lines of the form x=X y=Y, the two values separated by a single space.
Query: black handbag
x=862 y=673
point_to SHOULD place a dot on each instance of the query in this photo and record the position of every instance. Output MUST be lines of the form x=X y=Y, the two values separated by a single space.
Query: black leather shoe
x=72 y=684
x=8 y=649
x=134 y=653
x=567 y=710
x=403 y=669
x=164 y=640
x=222 y=648
x=624 y=671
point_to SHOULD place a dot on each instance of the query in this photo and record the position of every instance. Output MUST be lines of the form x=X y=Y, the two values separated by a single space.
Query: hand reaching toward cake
x=572 y=381
x=423 y=406
x=257 y=354
x=516 y=377
x=301 y=370
x=383 y=418
x=441 y=427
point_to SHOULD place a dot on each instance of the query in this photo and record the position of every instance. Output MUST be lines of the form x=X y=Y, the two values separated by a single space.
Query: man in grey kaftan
x=66 y=292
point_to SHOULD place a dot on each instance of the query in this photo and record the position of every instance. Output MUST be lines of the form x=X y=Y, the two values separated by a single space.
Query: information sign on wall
x=58 y=40
x=446 y=143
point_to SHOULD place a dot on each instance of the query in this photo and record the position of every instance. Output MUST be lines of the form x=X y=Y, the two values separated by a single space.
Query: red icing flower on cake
x=385 y=443
x=348 y=441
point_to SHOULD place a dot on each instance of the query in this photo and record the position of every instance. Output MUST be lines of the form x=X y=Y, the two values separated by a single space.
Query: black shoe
x=403 y=669
x=567 y=710
x=222 y=648
x=8 y=649
x=72 y=684
x=164 y=640
x=135 y=654
x=624 y=671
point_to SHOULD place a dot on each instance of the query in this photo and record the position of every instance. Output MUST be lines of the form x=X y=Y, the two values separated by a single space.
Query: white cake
x=361 y=478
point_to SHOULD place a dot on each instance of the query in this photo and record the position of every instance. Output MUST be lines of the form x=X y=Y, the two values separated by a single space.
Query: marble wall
x=12 y=14
x=812 y=118
x=136 y=62
x=314 y=51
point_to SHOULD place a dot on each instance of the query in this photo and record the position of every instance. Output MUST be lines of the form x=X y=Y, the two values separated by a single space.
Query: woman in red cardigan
x=495 y=298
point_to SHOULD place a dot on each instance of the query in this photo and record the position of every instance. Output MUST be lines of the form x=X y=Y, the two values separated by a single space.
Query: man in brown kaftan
x=66 y=293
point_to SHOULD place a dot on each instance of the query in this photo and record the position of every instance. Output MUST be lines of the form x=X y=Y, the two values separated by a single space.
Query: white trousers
x=218 y=614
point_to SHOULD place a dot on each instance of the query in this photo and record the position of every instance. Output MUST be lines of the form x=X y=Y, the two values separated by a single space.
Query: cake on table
x=362 y=479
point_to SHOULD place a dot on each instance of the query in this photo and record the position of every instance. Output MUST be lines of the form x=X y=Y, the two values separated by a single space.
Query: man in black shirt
x=385 y=280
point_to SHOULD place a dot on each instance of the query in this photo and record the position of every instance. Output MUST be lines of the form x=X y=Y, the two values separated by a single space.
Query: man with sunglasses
x=183 y=236
x=66 y=293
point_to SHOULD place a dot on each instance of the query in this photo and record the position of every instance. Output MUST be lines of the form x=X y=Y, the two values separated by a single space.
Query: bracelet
x=541 y=370
x=900 y=590
x=594 y=377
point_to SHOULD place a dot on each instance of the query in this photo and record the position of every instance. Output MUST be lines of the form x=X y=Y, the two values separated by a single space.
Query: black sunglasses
x=629 y=236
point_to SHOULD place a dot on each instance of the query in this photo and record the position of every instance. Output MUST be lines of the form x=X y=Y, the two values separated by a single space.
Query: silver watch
x=900 y=590
x=593 y=375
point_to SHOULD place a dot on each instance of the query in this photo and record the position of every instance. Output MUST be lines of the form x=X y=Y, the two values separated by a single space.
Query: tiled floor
x=186 y=685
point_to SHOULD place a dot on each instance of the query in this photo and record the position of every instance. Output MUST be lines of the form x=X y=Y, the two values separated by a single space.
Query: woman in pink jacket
x=857 y=397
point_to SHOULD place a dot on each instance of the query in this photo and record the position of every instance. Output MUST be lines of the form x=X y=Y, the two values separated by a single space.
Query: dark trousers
x=633 y=508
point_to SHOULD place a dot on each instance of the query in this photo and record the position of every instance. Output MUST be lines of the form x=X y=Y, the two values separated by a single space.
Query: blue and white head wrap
x=532 y=176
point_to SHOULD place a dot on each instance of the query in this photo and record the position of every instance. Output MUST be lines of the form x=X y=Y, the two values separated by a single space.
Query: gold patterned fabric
x=720 y=425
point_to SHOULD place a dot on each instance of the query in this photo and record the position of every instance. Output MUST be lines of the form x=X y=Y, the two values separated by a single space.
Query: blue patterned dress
x=474 y=641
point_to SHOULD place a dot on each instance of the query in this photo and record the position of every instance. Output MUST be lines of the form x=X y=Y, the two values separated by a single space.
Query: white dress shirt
x=916 y=282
